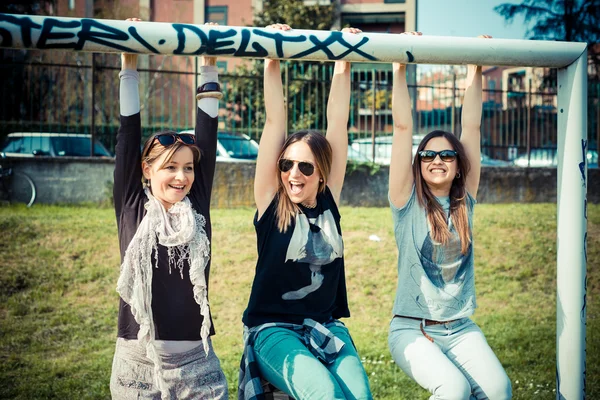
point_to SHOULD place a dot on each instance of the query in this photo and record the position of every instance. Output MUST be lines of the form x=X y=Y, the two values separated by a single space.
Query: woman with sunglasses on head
x=293 y=338
x=432 y=338
x=162 y=198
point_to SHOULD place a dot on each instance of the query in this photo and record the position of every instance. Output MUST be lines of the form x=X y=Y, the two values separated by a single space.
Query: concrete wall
x=76 y=180
x=497 y=185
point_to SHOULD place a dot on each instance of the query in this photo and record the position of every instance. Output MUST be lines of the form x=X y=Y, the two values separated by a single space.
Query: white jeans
x=459 y=364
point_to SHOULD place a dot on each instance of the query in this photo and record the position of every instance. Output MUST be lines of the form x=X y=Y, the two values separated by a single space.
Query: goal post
x=112 y=36
x=571 y=230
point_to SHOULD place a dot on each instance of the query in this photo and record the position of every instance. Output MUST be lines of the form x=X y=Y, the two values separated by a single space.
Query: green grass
x=58 y=305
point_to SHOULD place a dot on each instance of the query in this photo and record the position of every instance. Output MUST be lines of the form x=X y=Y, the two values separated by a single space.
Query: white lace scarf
x=181 y=230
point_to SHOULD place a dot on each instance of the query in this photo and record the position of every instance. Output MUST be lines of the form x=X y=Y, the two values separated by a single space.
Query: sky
x=467 y=18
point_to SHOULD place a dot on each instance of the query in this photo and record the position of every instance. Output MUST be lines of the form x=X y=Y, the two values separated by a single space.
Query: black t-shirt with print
x=176 y=313
x=299 y=273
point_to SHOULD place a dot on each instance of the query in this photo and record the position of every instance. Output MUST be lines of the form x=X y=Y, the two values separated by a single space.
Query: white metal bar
x=572 y=230
x=111 y=36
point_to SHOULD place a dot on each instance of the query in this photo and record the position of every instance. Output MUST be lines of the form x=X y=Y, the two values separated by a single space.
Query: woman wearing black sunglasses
x=162 y=198
x=299 y=289
x=432 y=338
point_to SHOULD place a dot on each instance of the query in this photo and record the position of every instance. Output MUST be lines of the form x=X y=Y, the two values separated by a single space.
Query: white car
x=233 y=147
x=548 y=158
x=383 y=148
x=31 y=144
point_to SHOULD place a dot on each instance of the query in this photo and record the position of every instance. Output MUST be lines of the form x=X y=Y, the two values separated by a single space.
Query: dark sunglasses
x=305 y=167
x=167 y=139
x=445 y=155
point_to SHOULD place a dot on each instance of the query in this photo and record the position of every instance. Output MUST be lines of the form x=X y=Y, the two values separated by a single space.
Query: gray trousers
x=188 y=375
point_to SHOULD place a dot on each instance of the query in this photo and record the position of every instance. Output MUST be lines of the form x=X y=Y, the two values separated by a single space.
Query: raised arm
x=273 y=135
x=401 y=175
x=471 y=127
x=338 y=108
x=207 y=95
x=128 y=171
x=129 y=96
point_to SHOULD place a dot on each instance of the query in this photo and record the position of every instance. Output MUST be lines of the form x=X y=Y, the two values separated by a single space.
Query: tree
x=306 y=78
x=566 y=20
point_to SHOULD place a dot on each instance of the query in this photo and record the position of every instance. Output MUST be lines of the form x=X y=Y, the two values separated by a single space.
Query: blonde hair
x=321 y=150
x=153 y=150
x=436 y=216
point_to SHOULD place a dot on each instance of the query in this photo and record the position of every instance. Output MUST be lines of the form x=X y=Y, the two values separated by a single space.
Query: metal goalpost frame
x=571 y=257
x=111 y=36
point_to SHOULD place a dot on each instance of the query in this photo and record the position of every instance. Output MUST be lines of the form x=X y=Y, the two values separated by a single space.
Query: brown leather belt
x=426 y=322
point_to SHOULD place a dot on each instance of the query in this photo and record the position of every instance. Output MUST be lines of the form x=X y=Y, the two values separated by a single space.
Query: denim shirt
x=435 y=281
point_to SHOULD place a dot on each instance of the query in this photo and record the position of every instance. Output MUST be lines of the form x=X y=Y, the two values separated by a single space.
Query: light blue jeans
x=284 y=361
x=458 y=365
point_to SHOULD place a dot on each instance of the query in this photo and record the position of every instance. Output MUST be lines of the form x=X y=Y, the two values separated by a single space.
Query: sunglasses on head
x=167 y=139
x=445 y=155
x=305 y=167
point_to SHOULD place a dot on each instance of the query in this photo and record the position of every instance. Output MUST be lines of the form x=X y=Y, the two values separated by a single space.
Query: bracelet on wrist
x=210 y=90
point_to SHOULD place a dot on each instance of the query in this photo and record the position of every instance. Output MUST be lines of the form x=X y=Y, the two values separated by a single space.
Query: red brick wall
x=239 y=12
x=107 y=9
x=172 y=11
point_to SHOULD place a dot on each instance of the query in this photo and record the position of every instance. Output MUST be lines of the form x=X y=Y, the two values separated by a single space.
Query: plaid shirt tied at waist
x=319 y=340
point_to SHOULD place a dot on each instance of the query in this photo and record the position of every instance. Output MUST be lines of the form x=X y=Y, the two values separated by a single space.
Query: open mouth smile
x=437 y=171
x=296 y=187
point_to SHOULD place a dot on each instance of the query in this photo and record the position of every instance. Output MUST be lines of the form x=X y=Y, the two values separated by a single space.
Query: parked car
x=356 y=156
x=383 y=149
x=492 y=162
x=234 y=147
x=548 y=158
x=30 y=144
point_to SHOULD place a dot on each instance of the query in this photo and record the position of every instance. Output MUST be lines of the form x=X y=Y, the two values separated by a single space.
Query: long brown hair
x=152 y=150
x=436 y=216
x=321 y=150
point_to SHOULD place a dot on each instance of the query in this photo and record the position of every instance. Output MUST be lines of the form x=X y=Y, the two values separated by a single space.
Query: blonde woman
x=162 y=198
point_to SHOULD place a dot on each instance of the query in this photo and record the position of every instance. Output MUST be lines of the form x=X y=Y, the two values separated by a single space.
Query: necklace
x=307 y=206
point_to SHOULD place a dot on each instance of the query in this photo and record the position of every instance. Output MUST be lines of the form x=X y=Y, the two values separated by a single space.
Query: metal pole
x=453 y=116
x=93 y=124
x=373 y=111
x=196 y=82
x=597 y=117
x=572 y=230
x=286 y=97
x=112 y=36
x=528 y=131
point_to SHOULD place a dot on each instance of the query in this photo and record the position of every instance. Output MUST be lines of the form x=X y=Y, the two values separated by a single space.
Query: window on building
x=375 y=22
x=217 y=14
x=317 y=2
x=379 y=22
x=222 y=66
